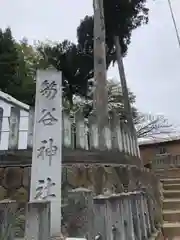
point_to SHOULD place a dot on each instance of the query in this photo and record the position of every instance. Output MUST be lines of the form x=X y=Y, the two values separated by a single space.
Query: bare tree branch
x=147 y=125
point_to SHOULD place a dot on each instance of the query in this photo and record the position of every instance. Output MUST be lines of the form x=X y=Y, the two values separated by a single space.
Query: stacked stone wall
x=15 y=183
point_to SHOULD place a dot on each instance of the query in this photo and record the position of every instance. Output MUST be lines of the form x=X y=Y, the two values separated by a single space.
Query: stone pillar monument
x=46 y=161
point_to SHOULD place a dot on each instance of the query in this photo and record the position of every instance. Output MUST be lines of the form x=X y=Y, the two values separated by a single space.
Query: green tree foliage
x=18 y=61
x=27 y=65
x=17 y=67
x=121 y=17
x=76 y=61
x=75 y=66
x=8 y=62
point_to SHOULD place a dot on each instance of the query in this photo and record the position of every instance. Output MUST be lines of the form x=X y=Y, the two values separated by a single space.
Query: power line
x=174 y=22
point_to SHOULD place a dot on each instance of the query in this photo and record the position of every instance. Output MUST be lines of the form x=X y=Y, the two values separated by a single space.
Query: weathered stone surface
x=113 y=178
x=123 y=175
x=26 y=177
x=71 y=176
x=113 y=184
x=20 y=195
x=134 y=179
x=99 y=180
x=12 y=177
x=3 y=193
x=1 y=174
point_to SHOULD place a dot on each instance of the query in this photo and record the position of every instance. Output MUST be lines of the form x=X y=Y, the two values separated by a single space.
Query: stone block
x=99 y=180
x=3 y=193
x=26 y=177
x=20 y=195
x=12 y=177
x=114 y=183
x=8 y=214
x=71 y=176
x=38 y=221
x=1 y=174
x=123 y=174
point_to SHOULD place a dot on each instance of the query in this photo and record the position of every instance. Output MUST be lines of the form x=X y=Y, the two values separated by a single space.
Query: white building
x=8 y=107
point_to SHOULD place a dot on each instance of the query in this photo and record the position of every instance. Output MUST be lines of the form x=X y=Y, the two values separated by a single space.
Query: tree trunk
x=127 y=106
x=100 y=94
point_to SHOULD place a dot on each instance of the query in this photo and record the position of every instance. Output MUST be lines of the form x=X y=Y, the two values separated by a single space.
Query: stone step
x=171 y=231
x=171 y=204
x=171 y=193
x=168 y=173
x=171 y=186
x=170 y=180
x=171 y=215
x=157 y=235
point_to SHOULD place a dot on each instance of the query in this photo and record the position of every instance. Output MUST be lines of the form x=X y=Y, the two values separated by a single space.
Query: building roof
x=7 y=98
x=159 y=140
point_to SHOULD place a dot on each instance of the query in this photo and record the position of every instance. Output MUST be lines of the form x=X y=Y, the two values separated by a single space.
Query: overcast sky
x=153 y=62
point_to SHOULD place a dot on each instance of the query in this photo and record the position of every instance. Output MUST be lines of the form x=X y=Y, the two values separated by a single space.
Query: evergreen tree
x=8 y=62
x=26 y=71
x=17 y=67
